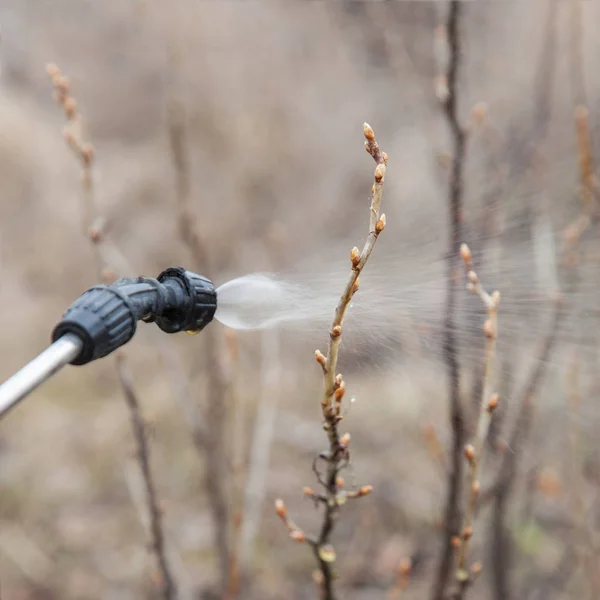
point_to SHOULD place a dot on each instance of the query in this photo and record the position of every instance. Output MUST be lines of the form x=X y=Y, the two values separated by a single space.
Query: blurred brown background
x=274 y=96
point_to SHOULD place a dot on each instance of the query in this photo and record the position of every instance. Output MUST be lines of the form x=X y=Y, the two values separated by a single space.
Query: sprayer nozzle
x=105 y=317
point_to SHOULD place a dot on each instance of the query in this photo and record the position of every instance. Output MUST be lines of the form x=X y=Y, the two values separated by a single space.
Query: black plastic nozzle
x=105 y=317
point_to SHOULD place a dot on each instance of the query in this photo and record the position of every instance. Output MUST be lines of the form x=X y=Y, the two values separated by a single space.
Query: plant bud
x=380 y=225
x=493 y=403
x=280 y=509
x=297 y=535
x=368 y=132
x=470 y=452
x=354 y=256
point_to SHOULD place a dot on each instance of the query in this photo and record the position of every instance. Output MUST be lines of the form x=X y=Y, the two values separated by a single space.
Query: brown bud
x=308 y=491
x=455 y=541
x=493 y=403
x=345 y=439
x=380 y=225
x=95 y=234
x=356 y=286
x=354 y=256
x=379 y=173
x=320 y=358
x=488 y=329
x=336 y=331
x=467 y=532
x=52 y=70
x=365 y=490
x=476 y=568
x=339 y=481
x=581 y=114
x=475 y=487
x=108 y=275
x=368 y=132
x=338 y=380
x=61 y=83
x=472 y=276
x=69 y=136
x=280 y=509
x=385 y=158
x=87 y=153
x=470 y=452
x=297 y=535
x=405 y=567
x=479 y=113
x=466 y=255
x=70 y=107
x=340 y=391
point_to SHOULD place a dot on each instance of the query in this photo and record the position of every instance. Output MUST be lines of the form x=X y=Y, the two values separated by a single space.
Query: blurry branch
x=448 y=45
x=94 y=228
x=402 y=579
x=474 y=451
x=209 y=437
x=338 y=455
x=143 y=456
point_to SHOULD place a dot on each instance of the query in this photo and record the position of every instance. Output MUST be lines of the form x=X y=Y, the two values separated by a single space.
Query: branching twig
x=447 y=93
x=489 y=402
x=94 y=229
x=338 y=454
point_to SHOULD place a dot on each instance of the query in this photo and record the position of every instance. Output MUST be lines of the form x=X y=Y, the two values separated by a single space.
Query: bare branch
x=94 y=229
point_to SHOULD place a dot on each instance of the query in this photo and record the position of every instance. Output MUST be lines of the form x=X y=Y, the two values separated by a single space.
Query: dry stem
x=489 y=402
x=449 y=101
x=333 y=392
x=94 y=229
x=209 y=439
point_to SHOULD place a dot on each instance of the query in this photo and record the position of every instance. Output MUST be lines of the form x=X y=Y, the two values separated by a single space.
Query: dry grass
x=255 y=90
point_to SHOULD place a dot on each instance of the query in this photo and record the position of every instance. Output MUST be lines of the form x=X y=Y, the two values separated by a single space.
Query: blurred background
x=242 y=121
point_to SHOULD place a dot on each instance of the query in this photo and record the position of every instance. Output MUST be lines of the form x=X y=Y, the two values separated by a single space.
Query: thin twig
x=94 y=229
x=209 y=438
x=488 y=403
x=143 y=456
x=449 y=99
x=338 y=454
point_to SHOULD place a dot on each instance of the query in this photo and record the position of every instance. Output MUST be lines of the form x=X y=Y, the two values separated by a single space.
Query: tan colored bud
x=472 y=277
x=379 y=173
x=320 y=358
x=467 y=532
x=297 y=535
x=354 y=256
x=455 y=541
x=476 y=487
x=308 y=491
x=340 y=391
x=493 y=403
x=479 y=113
x=466 y=255
x=405 y=567
x=52 y=70
x=338 y=380
x=380 y=225
x=88 y=153
x=385 y=158
x=61 y=83
x=339 y=481
x=336 y=331
x=356 y=286
x=70 y=107
x=368 y=132
x=470 y=452
x=476 y=568
x=345 y=439
x=488 y=329
x=280 y=509
x=365 y=490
